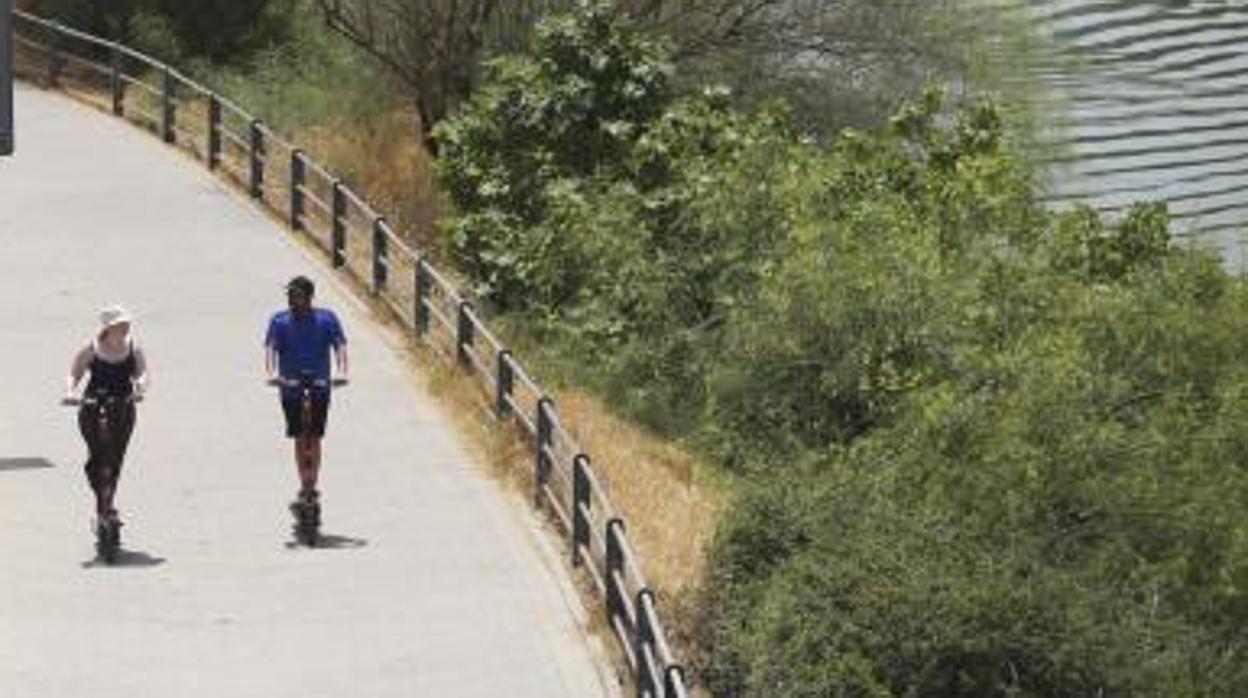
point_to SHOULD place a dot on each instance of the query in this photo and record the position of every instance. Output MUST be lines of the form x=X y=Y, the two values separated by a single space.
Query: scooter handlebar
x=78 y=401
x=279 y=382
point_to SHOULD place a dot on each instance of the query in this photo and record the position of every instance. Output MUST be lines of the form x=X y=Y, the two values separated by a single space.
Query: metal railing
x=355 y=236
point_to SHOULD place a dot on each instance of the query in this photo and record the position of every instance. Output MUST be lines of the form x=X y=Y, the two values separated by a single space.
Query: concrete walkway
x=437 y=583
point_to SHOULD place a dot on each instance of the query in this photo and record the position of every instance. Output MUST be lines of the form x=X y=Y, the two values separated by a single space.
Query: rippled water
x=1155 y=103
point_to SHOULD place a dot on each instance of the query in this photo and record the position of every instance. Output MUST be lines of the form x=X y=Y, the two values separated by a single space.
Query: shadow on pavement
x=330 y=541
x=126 y=558
x=25 y=463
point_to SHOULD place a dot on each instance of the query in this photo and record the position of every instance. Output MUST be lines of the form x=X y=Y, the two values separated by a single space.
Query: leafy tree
x=566 y=114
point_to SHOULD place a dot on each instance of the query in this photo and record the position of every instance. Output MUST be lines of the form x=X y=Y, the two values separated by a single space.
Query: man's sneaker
x=307 y=506
x=108 y=519
x=307 y=513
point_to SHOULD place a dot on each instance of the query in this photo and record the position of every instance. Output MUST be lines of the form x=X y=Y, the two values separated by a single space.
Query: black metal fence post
x=504 y=384
x=167 y=106
x=296 y=189
x=256 y=157
x=214 y=131
x=545 y=437
x=643 y=638
x=464 y=334
x=614 y=558
x=115 y=84
x=424 y=284
x=55 y=49
x=674 y=680
x=379 y=254
x=338 y=243
x=580 y=502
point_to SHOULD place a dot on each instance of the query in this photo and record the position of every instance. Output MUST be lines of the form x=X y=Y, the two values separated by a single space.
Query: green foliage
x=1138 y=242
x=984 y=449
x=225 y=31
x=219 y=31
x=311 y=79
x=571 y=110
x=153 y=34
x=1059 y=517
x=99 y=17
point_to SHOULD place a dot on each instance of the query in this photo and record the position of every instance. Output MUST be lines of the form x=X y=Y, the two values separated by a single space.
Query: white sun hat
x=114 y=315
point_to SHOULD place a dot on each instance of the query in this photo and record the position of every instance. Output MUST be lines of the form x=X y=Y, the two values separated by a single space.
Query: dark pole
x=167 y=106
x=544 y=438
x=116 y=86
x=296 y=189
x=380 y=252
x=214 y=131
x=424 y=285
x=339 y=205
x=257 y=163
x=6 y=77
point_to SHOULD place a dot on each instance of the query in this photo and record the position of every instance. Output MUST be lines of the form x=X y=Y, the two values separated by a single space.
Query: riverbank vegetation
x=978 y=448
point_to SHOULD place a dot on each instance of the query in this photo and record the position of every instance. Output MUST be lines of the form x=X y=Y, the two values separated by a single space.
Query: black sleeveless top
x=114 y=379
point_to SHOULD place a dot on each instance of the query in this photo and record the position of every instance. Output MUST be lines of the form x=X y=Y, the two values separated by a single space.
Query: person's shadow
x=125 y=558
x=330 y=541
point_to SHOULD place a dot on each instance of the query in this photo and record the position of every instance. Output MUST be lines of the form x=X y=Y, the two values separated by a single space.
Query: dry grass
x=386 y=162
x=670 y=506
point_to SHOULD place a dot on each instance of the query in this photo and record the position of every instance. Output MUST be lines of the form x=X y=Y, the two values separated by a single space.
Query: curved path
x=437 y=583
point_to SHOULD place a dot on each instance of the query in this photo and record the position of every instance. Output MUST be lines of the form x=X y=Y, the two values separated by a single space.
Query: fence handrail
x=606 y=555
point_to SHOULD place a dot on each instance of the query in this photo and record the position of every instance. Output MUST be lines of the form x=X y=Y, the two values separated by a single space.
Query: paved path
x=438 y=585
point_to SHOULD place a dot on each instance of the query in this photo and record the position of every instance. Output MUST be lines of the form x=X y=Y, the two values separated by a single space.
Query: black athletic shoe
x=307 y=513
x=108 y=536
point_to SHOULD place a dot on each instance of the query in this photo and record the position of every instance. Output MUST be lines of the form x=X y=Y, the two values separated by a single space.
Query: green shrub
x=569 y=111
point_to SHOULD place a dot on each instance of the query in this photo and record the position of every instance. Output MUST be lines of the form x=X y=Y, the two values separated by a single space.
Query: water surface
x=1154 y=105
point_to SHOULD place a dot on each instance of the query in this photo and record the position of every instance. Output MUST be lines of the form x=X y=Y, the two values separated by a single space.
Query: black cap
x=301 y=284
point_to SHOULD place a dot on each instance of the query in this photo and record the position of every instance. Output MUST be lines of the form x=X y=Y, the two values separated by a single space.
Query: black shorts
x=106 y=452
x=293 y=409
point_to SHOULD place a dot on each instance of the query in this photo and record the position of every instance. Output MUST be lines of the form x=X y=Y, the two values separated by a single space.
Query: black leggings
x=105 y=451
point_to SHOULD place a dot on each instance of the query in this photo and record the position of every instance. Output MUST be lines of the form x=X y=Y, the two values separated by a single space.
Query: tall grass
x=346 y=112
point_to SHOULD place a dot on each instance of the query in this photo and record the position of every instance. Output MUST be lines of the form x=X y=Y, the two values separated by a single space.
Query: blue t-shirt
x=303 y=343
